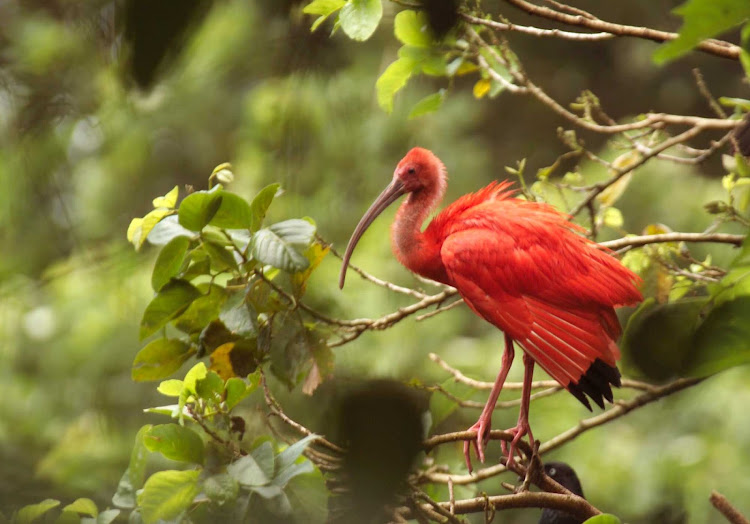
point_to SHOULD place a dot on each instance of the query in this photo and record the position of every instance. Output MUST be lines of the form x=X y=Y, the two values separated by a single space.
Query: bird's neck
x=412 y=247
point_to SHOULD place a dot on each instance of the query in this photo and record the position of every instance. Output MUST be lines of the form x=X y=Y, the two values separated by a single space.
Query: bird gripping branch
x=523 y=267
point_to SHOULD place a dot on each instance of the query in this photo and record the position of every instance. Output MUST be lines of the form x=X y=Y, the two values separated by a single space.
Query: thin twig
x=731 y=513
x=535 y=31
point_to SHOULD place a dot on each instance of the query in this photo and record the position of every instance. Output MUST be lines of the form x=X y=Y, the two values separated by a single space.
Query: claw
x=481 y=427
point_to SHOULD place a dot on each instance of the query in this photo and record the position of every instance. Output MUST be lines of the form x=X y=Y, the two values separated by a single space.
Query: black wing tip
x=597 y=383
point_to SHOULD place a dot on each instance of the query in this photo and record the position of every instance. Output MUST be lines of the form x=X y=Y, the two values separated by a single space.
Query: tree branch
x=711 y=46
x=642 y=240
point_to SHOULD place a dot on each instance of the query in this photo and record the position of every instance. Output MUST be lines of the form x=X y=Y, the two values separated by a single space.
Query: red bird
x=523 y=267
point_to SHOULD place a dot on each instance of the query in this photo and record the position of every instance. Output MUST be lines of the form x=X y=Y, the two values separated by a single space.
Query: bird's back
x=525 y=268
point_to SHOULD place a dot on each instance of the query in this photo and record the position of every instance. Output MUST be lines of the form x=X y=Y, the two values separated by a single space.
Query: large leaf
x=428 y=104
x=412 y=28
x=392 y=80
x=658 y=336
x=723 y=340
x=248 y=472
x=221 y=258
x=166 y=230
x=197 y=209
x=221 y=488
x=169 y=261
x=260 y=204
x=132 y=479
x=360 y=18
x=308 y=497
x=202 y=310
x=175 y=442
x=159 y=359
x=83 y=506
x=287 y=466
x=278 y=244
x=167 y=494
x=140 y=228
x=29 y=514
x=324 y=8
x=702 y=19
x=233 y=213
x=169 y=302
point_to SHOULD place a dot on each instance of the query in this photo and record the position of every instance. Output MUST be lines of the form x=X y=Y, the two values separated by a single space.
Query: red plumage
x=522 y=266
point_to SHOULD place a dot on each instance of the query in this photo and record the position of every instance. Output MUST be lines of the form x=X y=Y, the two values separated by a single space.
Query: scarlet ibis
x=520 y=265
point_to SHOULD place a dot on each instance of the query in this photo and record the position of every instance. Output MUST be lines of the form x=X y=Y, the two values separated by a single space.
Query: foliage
x=226 y=285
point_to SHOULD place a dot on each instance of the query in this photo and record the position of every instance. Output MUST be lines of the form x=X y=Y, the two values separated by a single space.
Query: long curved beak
x=389 y=195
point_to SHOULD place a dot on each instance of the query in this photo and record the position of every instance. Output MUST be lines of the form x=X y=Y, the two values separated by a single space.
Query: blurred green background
x=83 y=150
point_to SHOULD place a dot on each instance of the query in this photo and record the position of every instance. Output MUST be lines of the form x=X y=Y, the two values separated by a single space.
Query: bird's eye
x=552 y=472
x=411 y=170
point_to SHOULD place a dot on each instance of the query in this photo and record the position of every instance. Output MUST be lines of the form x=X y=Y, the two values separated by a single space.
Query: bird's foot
x=482 y=427
x=522 y=428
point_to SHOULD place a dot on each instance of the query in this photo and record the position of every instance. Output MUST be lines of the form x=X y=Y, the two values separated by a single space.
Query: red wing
x=545 y=286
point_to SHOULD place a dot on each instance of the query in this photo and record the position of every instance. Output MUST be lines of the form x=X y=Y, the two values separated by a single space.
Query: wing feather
x=523 y=267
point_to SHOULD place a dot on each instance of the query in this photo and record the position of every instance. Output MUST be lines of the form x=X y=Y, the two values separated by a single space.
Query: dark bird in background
x=564 y=475
x=380 y=424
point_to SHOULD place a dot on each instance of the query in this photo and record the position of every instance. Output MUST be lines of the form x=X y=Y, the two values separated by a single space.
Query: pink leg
x=484 y=424
x=522 y=426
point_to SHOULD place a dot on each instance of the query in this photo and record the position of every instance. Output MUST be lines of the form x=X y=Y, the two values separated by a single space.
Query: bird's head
x=420 y=169
x=419 y=172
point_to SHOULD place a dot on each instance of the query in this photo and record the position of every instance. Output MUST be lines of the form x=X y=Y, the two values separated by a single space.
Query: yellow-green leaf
x=169 y=200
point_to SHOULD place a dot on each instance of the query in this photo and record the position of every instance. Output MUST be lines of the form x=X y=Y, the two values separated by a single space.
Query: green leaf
x=210 y=388
x=29 y=514
x=428 y=104
x=603 y=519
x=360 y=18
x=140 y=228
x=169 y=200
x=233 y=213
x=196 y=373
x=197 y=209
x=221 y=258
x=314 y=254
x=702 y=19
x=221 y=488
x=441 y=407
x=132 y=479
x=236 y=390
x=286 y=466
x=167 y=494
x=260 y=204
x=107 y=516
x=264 y=457
x=169 y=261
x=308 y=497
x=277 y=245
x=202 y=310
x=247 y=472
x=171 y=387
x=412 y=28
x=612 y=217
x=735 y=102
x=175 y=442
x=83 y=506
x=159 y=359
x=721 y=341
x=430 y=62
x=392 y=80
x=658 y=336
x=324 y=8
x=169 y=302
x=166 y=230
